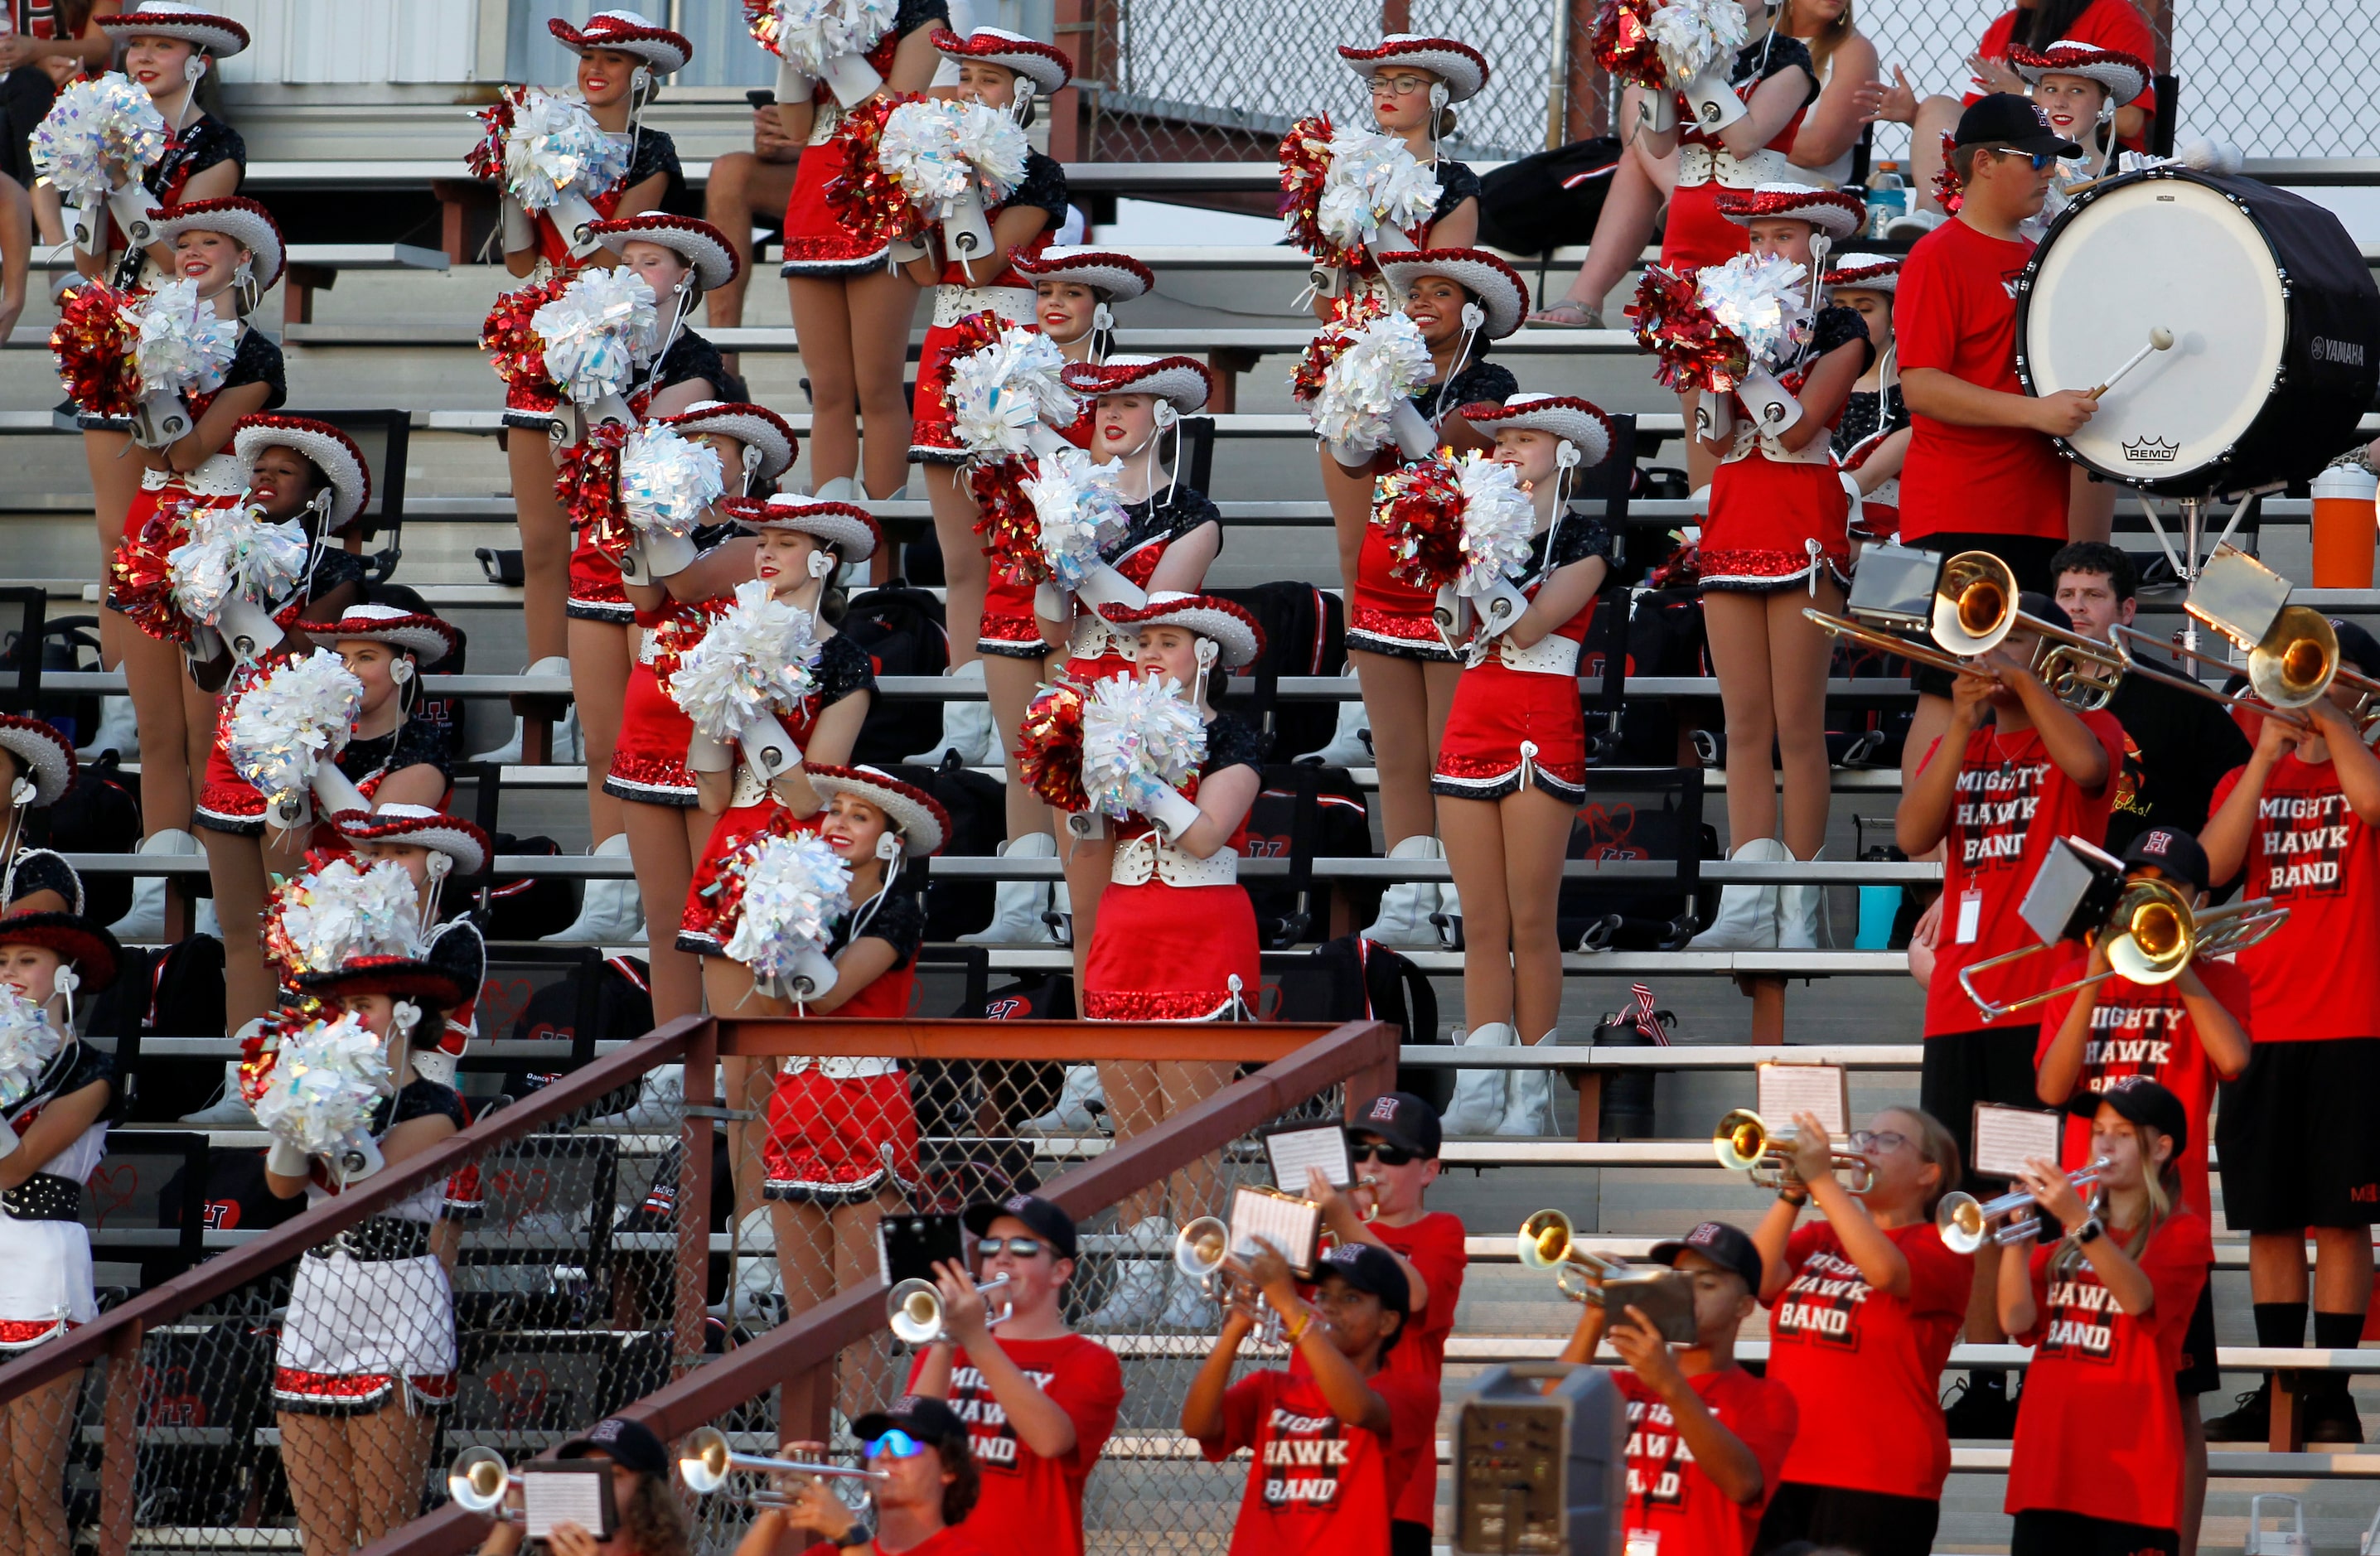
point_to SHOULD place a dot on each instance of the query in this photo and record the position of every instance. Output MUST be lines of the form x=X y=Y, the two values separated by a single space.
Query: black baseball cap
x=1403 y=1120
x=1050 y=1224
x=2138 y=1100
x=2040 y=607
x=2357 y=646
x=922 y=1416
x=2002 y=118
x=1370 y=1269
x=1728 y=1247
x=2172 y=851
x=624 y=1442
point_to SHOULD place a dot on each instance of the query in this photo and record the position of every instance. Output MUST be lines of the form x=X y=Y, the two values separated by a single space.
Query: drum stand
x=2186 y=565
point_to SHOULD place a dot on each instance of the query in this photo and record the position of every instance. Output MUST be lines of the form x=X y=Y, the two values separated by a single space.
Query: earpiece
x=405 y=1018
x=1473 y=316
x=440 y=866
x=1566 y=455
x=889 y=846
x=22 y=793
x=1437 y=96
x=1164 y=415
x=401 y=671
x=194 y=67
x=822 y=563
x=1209 y=650
x=752 y=457
x=321 y=503
x=65 y=982
x=1020 y=108
x=1102 y=317
x=640 y=80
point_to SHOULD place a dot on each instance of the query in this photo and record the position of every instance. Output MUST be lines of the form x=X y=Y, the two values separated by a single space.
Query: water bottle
x=1888 y=197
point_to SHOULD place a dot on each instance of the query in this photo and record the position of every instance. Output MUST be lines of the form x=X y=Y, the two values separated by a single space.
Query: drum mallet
x=2161 y=339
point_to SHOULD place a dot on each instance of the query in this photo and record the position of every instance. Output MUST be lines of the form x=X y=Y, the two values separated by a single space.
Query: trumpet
x=914 y=1310
x=1199 y=1249
x=706 y=1461
x=1974 y=609
x=479 y=1481
x=1745 y=1143
x=1967 y=1223
x=2152 y=934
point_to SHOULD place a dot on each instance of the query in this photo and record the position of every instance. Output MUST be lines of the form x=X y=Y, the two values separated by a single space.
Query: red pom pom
x=865 y=198
x=486 y=159
x=1355 y=311
x=137 y=582
x=1418 y=508
x=589 y=488
x=513 y=347
x=1946 y=181
x=94 y=348
x=1049 y=746
x=1623 y=43
x=1006 y=519
x=260 y=1050
x=1672 y=323
x=673 y=638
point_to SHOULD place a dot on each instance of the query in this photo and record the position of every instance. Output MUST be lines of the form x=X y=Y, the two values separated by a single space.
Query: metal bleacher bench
x=312 y=267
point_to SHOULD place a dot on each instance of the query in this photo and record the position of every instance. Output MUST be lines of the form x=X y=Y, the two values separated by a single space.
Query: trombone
x=1745 y=1143
x=706 y=1461
x=914 y=1310
x=2152 y=934
x=479 y=1482
x=2292 y=654
x=1967 y=1223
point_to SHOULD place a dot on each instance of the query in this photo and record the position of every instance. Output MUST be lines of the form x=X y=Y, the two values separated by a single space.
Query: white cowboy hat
x=626 y=32
x=917 y=815
x=1498 y=285
x=696 y=242
x=1233 y=629
x=1183 y=382
x=1565 y=416
x=1461 y=67
x=1833 y=211
x=2125 y=75
x=844 y=526
x=424 y=828
x=236 y=217
x=219 y=36
x=753 y=426
x=1047 y=67
x=327 y=448
x=425 y=637
x=1118 y=274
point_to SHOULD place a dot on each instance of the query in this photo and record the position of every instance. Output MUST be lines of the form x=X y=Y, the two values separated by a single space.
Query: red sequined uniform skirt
x=1167 y=953
x=699 y=928
x=817 y=242
x=1508 y=728
x=595 y=592
x=649 y=762
x=1010 y=628
x=1773 y=524
x=838 y=1141
x=1388 y=618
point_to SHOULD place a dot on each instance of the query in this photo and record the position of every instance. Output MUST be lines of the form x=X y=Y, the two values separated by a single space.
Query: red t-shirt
x=2107 y=24
x=1865 y=1368
x=2315 y=975
x=1956 y=310
x=1433 y=1246
x=2013 y=801
x=956 y=1540
x=1032 y=1505
x=1668 y=1496
x=1318 y=1485
x=2144 y=1029
x=2099 y=1431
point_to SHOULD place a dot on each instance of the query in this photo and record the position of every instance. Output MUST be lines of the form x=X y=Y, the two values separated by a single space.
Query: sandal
x=1569 y=315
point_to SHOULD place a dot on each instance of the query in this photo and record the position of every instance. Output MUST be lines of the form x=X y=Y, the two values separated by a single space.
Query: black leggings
x=2042 y=1532
x=1866 y=1523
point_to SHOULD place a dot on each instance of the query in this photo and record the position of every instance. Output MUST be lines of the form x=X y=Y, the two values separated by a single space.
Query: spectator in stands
x=1340 y=1399
x=2177 y=745
x=2105 y=24
x=620 y=56
x=647 y=775
x=1980 y=472
x=1871 y=438
x=35 y=36
x=1511 y=773
x=51 y=1139
x=652 y=1514
x=1039 y=1400
x=1864 y=1305
x=747 y=189
x=1707 y=1440
x=2186 y=1034
x=2096 y=1464
x=1776 y=542
x=2015 y=770
x=922 y=1506
x=2297 y=823
x=1461 y=300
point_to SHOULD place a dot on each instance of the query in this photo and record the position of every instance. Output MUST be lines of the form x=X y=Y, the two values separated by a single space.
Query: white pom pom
x=1387 y=361
x=1081 y=510
x=999 y=392
x=299 y=714
x=92 y=124
x=758 y=657
x=330 y=916
x=597 y=333
x=666 y=481
x=1138 y=733
x=920 y=147
x=555 y=144
x=993 y=144
x=235 y=552
x=1372 y=182
x=182 y=346
x=1763 y=302
x=795 y=888
x=807 y=34
x=1695 y=35
x=28 y=1043
x=1497 y=520
x=326 y=1079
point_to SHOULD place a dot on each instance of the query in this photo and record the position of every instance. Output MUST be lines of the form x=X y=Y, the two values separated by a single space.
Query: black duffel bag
x=1548 y=199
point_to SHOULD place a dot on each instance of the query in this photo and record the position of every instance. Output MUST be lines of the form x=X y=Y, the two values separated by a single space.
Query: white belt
x=1091 y=638
x=1703 y=165
x=1817 y=451
x=1552 y=654
x=220 y=475
x=648 y=648
x=1140 y=857
x=954 y=303
x=825 y=119
x=841 y=1066
x=749 y=790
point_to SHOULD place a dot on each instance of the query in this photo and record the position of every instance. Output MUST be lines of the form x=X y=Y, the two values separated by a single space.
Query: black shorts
x=2044 y=1532
x=2197 y=1374
x=1866 y=1523
x=1409 y=1538
x=1965 y=1068
x=2027 y=556
x=2294 y=1137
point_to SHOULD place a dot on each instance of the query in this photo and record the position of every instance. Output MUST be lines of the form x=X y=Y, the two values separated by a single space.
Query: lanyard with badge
x=1643 y=1539
x=1970 y=924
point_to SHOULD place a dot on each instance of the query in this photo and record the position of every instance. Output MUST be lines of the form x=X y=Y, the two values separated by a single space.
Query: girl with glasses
x=1863 y=1308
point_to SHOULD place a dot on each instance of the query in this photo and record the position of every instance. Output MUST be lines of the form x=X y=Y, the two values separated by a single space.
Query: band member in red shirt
x=2185 y=1034
x=2029 y=770
x=1333 y=1440
x=1707 y=1440
x=1865 y=1305
x=1981 y=473
x=1038 y=1400
x=929 y=1487
x=2096 y=1465
x=2296 y=1139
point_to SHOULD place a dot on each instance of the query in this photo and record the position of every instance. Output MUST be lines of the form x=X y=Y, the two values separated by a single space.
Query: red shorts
x=328 y=1393
x=1010 y=627
x=531 y=407
x=1166 y=953
x=595 y=592
x=649 y=761
x=1772 y=525
x=817 y=243
x=23 y=1334
x=836 y=1142
x=228 y=802
x=1090 y=672
x=1508 y=728
x=1388 y=618
x=699 y=928
x=1695 y=233
x=931 y=437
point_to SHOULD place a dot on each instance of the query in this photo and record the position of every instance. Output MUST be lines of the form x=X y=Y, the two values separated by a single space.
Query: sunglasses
x=1015 y=1247
x=896 y=1442
x=1386 y=1155
x=2039 y=159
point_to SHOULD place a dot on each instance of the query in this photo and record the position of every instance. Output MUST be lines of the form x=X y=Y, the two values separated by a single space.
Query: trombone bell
x=1974 y=604
x=2295 y=660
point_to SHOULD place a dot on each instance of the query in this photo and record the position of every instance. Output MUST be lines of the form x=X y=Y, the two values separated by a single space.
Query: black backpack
x=1350 y=979
x=530 y=906
x=623 y=1005
x=1304 y=813
x=901 y=630
x=977 y=806
x=100 y=813
x=1304 y=634
x=1548 y=199
x=67 y=643
x=176 y=992
x=1618 y=917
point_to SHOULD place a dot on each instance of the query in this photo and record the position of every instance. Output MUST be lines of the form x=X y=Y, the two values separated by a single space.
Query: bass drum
x=2275 y=319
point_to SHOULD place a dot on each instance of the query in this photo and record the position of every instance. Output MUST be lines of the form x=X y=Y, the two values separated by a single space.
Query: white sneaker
x=117 y=732
x=229 y=1110
x=1346 y=747
x=967 y=725
x=1019 y=904
x=509 y=753
x=1480 y=1095
x=659 y=1104
x=145 y=924
x=610 y=912
x=1139 y=1295
x=1406 y=905
x=1071 y=1116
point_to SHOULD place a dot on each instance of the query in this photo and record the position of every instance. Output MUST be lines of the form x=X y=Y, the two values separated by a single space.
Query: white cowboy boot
x=1480 y=1095
x=1801 y=914
x=1346 y=747
x=116 y=731
x=659 y=1097
x=610 y=912
x=1529 y=1104
x=842 y=489
x=967 y=725
x=1071 y=1116
x=1019 y=904
x=229 y=1110
x=1747 y=914
x=509 y=753
x=1138 y=1297
x=1406 y=905
x=145 y=923
x=1448 y=923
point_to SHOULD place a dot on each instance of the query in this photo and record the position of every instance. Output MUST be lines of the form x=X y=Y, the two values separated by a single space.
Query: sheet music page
x=552 y=1497
x=1787 y=1089
x=2005 y=1137
x=1290 y=1225
x=1293 y=1150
